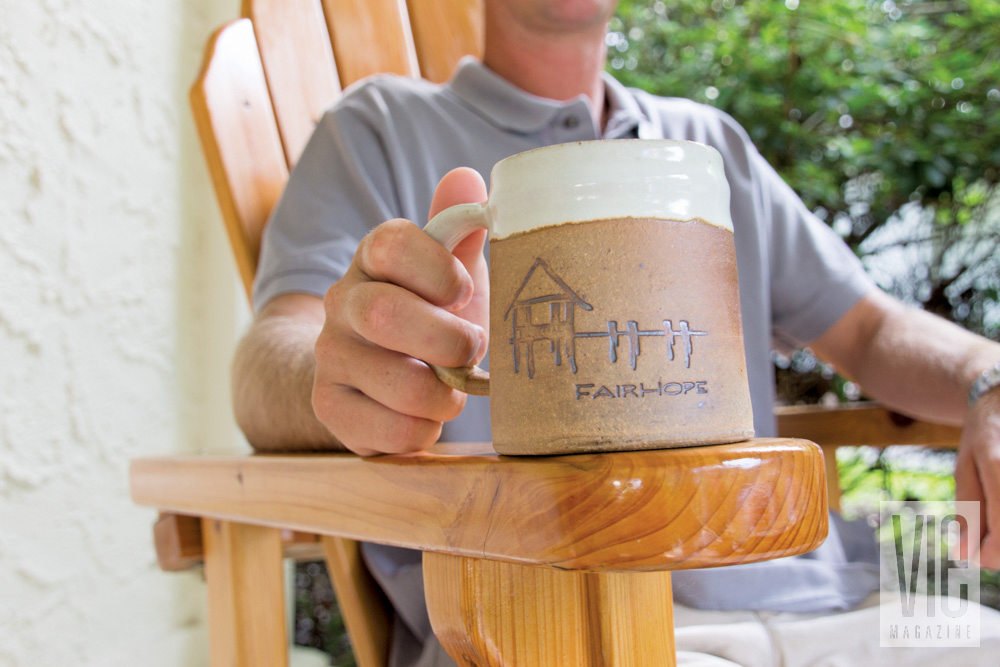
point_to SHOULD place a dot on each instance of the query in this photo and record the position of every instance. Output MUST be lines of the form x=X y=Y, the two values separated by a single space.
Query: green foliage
x=318 y=622
x=884 y=117
x=868 y=476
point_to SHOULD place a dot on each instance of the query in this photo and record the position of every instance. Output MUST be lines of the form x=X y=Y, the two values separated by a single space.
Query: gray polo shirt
x=379 y=153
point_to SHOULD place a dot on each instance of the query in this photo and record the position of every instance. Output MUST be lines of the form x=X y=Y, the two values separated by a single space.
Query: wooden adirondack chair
x=573 y=578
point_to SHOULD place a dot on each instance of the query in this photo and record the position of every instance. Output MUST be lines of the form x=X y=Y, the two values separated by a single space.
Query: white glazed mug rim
x=583 y=181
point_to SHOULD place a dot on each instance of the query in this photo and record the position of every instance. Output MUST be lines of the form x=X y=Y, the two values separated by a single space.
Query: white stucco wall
x=118 y=312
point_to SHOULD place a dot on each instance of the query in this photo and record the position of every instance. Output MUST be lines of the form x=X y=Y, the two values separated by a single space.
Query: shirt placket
x=572 y=123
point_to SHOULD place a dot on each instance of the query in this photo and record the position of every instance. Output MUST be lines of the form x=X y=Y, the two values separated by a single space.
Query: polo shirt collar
x=510 y=108
x=626 y=118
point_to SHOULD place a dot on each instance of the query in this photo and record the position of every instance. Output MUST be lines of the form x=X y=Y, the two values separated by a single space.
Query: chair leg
x=832 y=477
x=368 y=621
x=246 y=596
x=500 y=614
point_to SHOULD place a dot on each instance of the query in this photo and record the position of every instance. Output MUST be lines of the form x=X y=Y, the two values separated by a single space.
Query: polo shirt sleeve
x=815 y=278
x=340 y=189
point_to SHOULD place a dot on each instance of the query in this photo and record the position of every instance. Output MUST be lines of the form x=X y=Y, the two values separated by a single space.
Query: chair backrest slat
x=265 y=83
x=298 y=62
x=444 y=31
x=239 y=137
x=370 y=37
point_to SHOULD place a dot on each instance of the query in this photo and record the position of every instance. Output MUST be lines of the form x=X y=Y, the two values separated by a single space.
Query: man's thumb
x=459 y=186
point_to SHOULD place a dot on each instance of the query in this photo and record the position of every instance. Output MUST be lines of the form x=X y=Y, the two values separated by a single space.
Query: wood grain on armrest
x=627 y=511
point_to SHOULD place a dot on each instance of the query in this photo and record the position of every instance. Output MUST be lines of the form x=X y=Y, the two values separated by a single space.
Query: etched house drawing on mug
x=544 y=309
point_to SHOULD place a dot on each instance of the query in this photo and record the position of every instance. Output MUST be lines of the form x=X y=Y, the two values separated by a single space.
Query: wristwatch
x=987 y=380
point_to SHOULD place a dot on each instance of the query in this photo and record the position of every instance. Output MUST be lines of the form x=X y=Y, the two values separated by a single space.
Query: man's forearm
x=910 y=360
x=930 y=367
x=272 y=386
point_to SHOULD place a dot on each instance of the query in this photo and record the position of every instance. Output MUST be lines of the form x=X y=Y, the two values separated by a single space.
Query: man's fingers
x=968 y=488
x=398 y=252
x=989 y=552
x=394 y=318
x=970 y=474
x=410 y=387
x=989 y=514
x=367 y=427
x=395 y=380
x=376 y=401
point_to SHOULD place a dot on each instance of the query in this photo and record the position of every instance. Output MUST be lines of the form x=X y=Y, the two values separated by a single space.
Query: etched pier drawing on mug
x=544 y=309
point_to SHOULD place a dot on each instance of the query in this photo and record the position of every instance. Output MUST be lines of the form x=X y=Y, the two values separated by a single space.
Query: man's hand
x=977 y=474
x=405 y=300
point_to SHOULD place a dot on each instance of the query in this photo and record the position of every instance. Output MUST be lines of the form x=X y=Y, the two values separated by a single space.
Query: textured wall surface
x=118 y=312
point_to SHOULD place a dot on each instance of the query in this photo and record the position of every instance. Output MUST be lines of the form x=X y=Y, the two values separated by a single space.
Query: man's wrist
x=984 y=383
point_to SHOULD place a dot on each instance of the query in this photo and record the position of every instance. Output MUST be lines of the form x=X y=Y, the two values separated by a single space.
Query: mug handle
x=448 y=228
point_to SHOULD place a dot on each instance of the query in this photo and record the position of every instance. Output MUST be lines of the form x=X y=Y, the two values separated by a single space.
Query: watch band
x=987 y=380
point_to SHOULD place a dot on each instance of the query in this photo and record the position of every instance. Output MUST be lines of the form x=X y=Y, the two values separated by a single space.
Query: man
x=353 y=299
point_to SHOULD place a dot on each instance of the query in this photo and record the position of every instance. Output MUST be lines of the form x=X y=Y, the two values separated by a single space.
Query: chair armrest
x=625 y=511
x=862 y=424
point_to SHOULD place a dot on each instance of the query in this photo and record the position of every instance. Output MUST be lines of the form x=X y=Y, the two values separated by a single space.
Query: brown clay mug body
x=614 y=305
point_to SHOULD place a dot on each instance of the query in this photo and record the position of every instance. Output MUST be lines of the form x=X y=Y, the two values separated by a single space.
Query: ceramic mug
x=614 y=304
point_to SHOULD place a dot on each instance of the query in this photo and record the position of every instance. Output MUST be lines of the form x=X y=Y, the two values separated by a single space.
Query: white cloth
x=844 y=639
